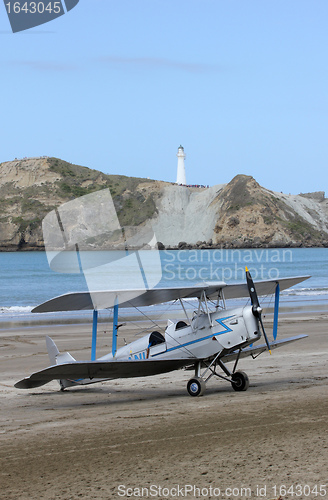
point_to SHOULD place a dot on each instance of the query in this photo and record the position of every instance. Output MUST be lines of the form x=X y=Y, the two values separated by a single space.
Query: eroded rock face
x=250 y=215
x=317 y=195
x=32 y=187
x=234 y=215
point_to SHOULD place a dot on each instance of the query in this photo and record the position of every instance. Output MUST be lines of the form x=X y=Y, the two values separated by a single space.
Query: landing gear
x=196 y=386
x=239 y=381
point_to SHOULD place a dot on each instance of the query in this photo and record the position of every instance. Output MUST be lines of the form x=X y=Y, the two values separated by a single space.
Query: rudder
x=57 y=359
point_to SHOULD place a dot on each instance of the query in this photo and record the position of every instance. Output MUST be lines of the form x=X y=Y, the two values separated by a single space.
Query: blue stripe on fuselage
x=220 y=321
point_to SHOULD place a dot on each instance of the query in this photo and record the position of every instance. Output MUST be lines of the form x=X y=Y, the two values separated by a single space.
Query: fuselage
x=205 y=336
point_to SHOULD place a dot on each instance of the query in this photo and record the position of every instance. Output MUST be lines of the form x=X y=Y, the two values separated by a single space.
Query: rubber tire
x=240 y=381
x=196 y=386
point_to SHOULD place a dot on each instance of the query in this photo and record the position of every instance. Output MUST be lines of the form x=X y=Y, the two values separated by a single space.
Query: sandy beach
x=127 y=438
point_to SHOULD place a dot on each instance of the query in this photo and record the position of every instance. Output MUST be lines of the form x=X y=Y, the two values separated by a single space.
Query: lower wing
x=103 y=370
x=129 y=369
x=257 y=350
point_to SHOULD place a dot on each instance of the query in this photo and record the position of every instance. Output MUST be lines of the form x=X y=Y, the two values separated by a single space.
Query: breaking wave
x=306 y=292
x=16 y=310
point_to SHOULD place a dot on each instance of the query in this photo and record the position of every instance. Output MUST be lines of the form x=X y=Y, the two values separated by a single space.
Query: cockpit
x=180 y=324
x=156 y=338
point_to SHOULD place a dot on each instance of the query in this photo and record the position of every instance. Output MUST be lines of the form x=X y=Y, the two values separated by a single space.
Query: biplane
x=204 y=342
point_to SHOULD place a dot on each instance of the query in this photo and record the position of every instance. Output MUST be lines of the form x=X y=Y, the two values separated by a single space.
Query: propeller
x=257 y=309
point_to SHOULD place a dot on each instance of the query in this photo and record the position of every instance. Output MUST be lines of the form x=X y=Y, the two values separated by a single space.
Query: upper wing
x=102 y=369
x=132 y=298
x=266 y=287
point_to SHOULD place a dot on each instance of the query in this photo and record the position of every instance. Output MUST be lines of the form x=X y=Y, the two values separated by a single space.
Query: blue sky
x=119 y=85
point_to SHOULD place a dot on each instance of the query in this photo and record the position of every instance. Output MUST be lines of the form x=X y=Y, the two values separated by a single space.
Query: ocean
x=27 y=280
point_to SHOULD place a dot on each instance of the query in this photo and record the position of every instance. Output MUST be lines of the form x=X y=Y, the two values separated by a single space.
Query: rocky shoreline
x=198 y=246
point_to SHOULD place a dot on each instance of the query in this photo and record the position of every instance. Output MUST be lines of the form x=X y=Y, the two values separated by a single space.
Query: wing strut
x=94 y=335
x=276 y=310
x=115 y=327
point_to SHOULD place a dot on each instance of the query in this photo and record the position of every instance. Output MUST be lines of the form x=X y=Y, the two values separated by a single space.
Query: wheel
x=196 y=386
x=240 y=381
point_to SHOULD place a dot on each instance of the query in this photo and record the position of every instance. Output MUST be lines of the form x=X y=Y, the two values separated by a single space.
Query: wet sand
x=98 y=441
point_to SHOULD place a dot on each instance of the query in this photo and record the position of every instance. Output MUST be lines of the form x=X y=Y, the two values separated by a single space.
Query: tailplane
x=63 y=364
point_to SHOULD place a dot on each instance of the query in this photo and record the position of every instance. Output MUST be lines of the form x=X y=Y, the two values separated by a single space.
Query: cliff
x=234 y=215
x=32 y=187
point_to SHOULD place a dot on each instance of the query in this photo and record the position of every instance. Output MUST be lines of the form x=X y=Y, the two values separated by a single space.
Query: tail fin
x=52 y=350
x=57 y=359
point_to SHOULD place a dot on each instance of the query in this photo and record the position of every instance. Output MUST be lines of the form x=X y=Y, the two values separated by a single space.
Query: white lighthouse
x=181 y=172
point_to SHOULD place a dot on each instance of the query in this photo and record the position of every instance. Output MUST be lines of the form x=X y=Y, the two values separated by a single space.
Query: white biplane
x=204 y=343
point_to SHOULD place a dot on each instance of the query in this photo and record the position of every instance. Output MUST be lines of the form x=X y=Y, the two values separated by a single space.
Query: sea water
x=27 y=280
